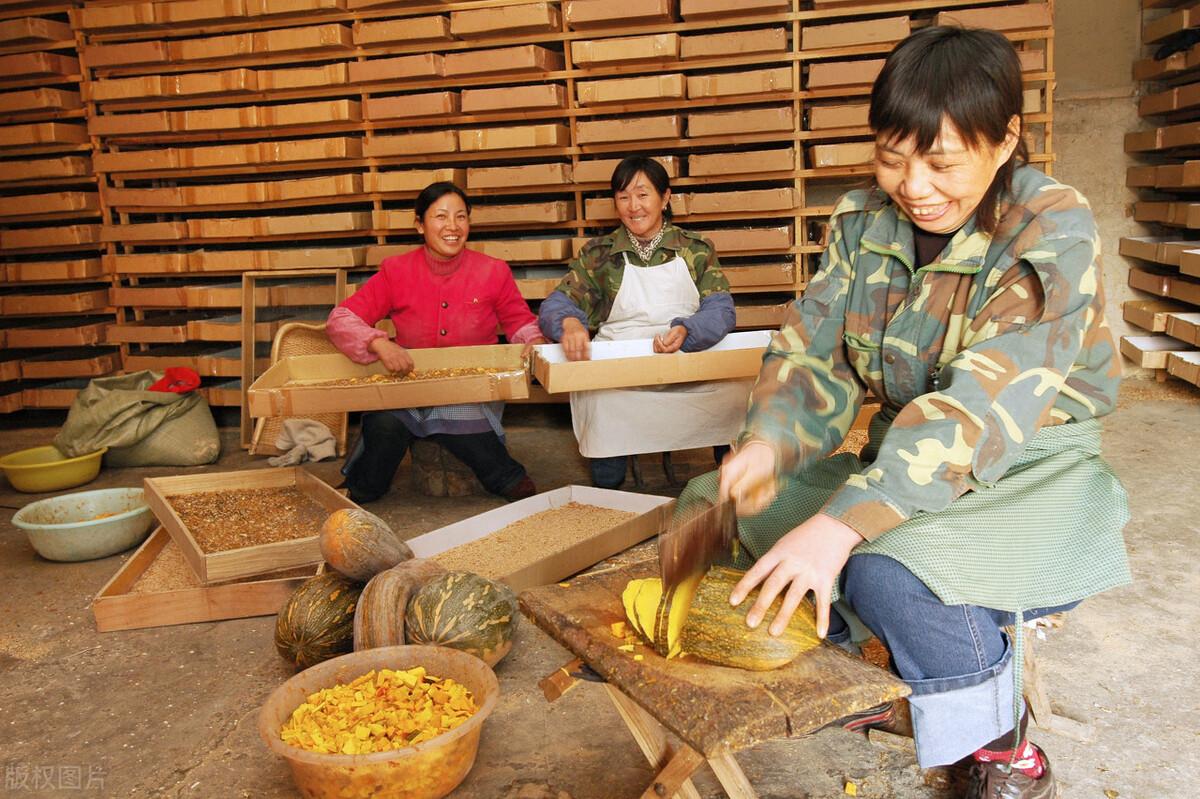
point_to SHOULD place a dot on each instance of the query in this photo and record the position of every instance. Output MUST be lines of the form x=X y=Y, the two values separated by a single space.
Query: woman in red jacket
x=438 y=295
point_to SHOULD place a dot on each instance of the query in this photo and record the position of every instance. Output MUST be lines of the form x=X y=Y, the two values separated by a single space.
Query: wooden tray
x=212 y=567
x=117 y=608
x=287 y=388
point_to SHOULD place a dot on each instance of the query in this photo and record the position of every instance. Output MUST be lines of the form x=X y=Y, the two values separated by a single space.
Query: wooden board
x=711 y=708
x=116 y=607
x=212 y=567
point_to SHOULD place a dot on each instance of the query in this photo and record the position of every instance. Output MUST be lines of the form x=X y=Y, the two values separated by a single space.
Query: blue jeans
x=955 y=658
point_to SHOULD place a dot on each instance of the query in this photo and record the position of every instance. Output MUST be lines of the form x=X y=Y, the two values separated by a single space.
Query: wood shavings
x=531 y=539
x=414 y=376
x=225 y=520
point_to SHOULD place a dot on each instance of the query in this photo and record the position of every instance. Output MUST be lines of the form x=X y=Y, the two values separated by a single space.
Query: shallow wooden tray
x=116 y=607
x=233 y=564
x=286 y=389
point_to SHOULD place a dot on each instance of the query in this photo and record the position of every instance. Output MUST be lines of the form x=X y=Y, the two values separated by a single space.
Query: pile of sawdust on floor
x=1134 y=390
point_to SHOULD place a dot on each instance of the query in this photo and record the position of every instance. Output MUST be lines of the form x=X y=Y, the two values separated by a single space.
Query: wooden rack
x=231 y=139
x=1169 y=258
x=54 y=307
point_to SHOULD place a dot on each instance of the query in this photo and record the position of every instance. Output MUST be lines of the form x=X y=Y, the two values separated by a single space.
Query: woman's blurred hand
x=576 y=343
x=670 y=341
x=393 y=356
x=529 y=345
x=809 y=558
x=748 y=477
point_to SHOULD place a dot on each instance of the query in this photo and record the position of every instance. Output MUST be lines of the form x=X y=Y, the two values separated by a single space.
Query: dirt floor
x=171 y=711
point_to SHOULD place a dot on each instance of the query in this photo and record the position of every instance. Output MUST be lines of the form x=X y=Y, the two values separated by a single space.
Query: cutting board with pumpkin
x=711 y=708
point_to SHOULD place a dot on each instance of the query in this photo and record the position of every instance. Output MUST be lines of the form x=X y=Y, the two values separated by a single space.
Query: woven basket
x=298 y=338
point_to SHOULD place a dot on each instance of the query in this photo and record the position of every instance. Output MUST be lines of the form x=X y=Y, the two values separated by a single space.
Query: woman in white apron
x=647 y=279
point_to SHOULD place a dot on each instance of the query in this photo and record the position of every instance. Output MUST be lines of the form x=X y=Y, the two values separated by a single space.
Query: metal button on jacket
x=442 y=331
x=889 y=358
x=445 y=304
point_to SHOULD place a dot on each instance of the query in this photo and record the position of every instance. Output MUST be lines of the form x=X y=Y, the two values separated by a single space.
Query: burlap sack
x=140 y=427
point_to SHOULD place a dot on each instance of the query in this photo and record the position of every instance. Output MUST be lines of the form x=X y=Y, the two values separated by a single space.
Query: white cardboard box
x=654 y=512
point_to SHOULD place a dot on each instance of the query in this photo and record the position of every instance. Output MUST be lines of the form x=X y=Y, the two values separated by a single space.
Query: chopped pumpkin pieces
x=618 y=629
x=378 y=712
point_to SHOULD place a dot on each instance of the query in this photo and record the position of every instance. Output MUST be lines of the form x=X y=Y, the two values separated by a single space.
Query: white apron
x=631 y=421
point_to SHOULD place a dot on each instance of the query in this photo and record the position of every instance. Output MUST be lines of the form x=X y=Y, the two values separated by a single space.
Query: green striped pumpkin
x=317 y=621
x=464 y=611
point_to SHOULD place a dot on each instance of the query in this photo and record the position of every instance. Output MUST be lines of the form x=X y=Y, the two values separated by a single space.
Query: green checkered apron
x=1045 y=534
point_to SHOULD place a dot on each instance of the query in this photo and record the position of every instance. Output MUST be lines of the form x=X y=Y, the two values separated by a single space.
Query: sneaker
x=523 y=489
x=996 y=781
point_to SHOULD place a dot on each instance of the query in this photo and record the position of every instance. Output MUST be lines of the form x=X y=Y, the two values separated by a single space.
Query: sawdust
x=414 y=376
x=225 y=520
x=531 y=539
x=1134 y=391
x=855 y=441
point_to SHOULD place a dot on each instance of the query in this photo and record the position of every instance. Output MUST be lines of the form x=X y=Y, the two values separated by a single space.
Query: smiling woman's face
x=939 y=189
x=641 y=207
x=445 y=226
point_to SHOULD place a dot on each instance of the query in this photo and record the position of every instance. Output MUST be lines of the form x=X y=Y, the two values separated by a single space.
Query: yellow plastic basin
x=428 y=770
x=42 y=469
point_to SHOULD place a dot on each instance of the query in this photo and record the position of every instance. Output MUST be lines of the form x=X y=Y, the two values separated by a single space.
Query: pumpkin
x=464 y=611
x=379 y=619
x=360 y=544
x=696 y=618
x=317 y=621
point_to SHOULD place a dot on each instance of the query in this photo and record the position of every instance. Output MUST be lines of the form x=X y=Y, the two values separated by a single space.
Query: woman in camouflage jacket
x=964 y=292
x=647 y=280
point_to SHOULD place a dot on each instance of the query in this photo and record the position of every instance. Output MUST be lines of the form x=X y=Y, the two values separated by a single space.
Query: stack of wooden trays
x=1169 y=258
x=54 y=307
x=229 y=545
x=236 y=136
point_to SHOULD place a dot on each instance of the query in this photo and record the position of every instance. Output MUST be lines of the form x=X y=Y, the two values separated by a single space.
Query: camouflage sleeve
x=998 y=390
x=807 y=395
x=582 y=288
x=702 y=258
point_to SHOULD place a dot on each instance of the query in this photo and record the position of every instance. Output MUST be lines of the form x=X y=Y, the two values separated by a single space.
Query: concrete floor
x=171 y=711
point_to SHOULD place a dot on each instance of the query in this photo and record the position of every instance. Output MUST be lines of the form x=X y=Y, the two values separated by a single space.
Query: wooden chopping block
x=713 y=709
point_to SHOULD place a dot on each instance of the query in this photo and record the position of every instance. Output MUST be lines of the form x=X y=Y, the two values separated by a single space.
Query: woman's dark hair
x=436 y=191
x=971 y=77
x=627 y=170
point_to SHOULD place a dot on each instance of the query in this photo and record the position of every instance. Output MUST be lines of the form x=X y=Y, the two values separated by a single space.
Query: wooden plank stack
x=1168 y=259
x=54 y=305
x=239 y=135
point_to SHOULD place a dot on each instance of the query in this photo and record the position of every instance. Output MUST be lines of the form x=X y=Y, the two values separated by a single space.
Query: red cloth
x=177 y=379
x=432 y=310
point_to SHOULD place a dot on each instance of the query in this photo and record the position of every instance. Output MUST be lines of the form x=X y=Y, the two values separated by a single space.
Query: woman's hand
x=529 y=345
x=393 y=356
x=670 y=341
x=809 y=558
x=748 y=477
x=576 y=343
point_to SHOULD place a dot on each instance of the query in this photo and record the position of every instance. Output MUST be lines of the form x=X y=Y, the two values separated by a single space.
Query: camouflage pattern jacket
x=970 y=355
x=590 y=287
